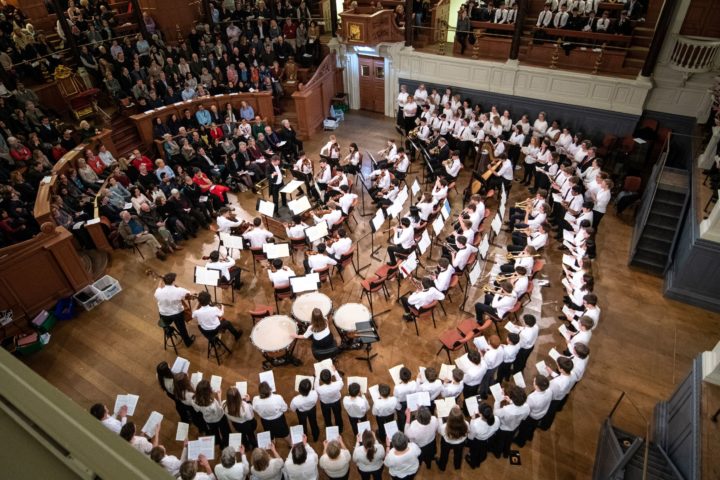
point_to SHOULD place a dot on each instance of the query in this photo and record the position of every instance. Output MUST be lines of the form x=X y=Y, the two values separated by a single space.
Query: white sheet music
x=129 y=400
x=300 y=205
x=232 y=241
x=266 y=208
x=568 y=236
x=568 y=260
x=446 y=209
x=391 y=429
x=215 y=383
x=306 y=283
x=409 y=265
x=472 y=406
x=316 y=232
x=296 y=434
x=417 y=400
x=443 y=407
x=205 y=276
x=362 y=426
x=235 y=441
x=438 y=225
x=541 y=367
x=415 y=188
x=446 y=372
x=195 y=378
x=182 y=432
x=202 y=446
x=564 y=332
x=484 y=247
x=241 y=388
x=496 y=391
x=475 y=273
x=557 y=198
x=181 y=365
x=394 y=209
x=374 y=393
x=519 y=380
x=300 y=378
x=463 y=363
x=424 y=242
x=276 y=250
x=264 y=439
x=361 y=381
x=332 y=433
x=269 y=378
x=512 y=328
x=554 y=354
x=481 y=343
x=395 y=373
x=292 y=186
x=152 y=423
x=377 y=221
x=496 y=224
x=325 y=364
x=402 y=196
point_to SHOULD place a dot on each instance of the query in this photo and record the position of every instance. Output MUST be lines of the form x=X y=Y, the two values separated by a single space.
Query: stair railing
x=646 y=439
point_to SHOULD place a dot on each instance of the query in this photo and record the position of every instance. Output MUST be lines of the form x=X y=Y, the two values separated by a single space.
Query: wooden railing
x=368 y=26
x=312 y=100
x=439 y=15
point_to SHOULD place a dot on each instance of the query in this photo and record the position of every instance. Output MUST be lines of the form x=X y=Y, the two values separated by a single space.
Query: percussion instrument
x=273 y=336
x=348 y=315
x=303 y=306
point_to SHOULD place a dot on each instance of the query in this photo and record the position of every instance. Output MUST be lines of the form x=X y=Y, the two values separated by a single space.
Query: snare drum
x=273 y=336
x=303 y=306
x=348 y=315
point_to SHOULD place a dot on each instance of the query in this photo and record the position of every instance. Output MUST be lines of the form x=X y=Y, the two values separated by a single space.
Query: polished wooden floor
x=643 y=346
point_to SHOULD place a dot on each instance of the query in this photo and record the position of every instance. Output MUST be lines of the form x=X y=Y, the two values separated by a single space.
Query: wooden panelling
x=366 y=26
x=702 y=19
x=372 y=83
x=312 y=100
x=169 y=15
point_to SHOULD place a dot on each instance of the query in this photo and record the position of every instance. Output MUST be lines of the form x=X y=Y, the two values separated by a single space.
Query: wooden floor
x=643 y=346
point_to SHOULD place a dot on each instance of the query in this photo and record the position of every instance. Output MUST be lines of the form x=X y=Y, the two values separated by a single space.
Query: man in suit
x=635 y=10
x=624 y=25
x=275 y=180
x=288 y=135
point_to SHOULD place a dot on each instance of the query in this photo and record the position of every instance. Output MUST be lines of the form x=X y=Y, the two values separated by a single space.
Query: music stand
x=208 y=277
x=375 y=225
x=363 y=188
x=368 y=335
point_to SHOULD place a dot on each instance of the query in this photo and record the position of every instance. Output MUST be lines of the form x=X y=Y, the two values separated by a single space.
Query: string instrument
x=310 y=253
x=319 y=212
x=186 y=302
x=242 y=228
x=492 y=168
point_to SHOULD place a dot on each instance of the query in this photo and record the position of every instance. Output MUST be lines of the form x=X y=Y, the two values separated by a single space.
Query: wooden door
x=372 y=84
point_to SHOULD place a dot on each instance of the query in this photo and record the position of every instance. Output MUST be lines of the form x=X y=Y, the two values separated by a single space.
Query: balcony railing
x=692 y=55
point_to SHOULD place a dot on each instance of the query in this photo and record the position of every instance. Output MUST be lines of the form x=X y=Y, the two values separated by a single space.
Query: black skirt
x=278 y=427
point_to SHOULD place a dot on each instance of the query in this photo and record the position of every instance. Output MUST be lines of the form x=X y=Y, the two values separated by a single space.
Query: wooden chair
x=608 y=143
x=345 y=260
x=453 y=340
x=170 y=335
x=526 y=297
x=373 y=285
x=298 y=245
x=258 y=257
x=259 y=312
x=423 y=313
x=324 y=274
x=537 y=267
x=454 y=283
x=281 y=293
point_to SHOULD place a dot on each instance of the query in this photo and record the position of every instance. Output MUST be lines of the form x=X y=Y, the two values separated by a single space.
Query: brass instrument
x=435 y=151
x=319 y=212
x=487 y=288
x=527 y=230
x=525 y=203
x=447 y=163
x=514 y=256
x=412 y=134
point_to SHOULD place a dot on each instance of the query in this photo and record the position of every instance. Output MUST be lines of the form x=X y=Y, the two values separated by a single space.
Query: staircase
x=125 y=136
x=658 y=465
x=656 y=236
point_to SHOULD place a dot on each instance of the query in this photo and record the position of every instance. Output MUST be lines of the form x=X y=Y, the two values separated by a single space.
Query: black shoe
x=192 y=340
x=563 y=318
x=438 y=465
x=239 y=334
x=407 y=317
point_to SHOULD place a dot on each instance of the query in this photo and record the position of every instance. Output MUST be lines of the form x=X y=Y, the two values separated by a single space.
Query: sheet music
x=202 y=446
x=570 y=218
x=296 y=434
x=472 y=406
x=129 y=400
x=568 y=236
x=564 y=331
x=568 y=260
x=300 y=378
x=475 y=273
x=235 y=441
x=182 y=432
x=241 y=388
x=78 y=225
x=316 y=232
x=181 y=365
x=417 y=400
x=438 y=225
x=205 y=276
x=446 y=372
x=332 y=433
x=496 y=224
x=541 y=367
x=215 y=383
x=443 y=407
x=446 y=209
x=557 y=198
x=306 y=283
x=292 y=186
x=232 y=241
x=395 y=373
x=394 y=209
x=127 y=206
x=424 y=242
x=374 y=393
x=152 y=423
x=415 y=188
x=481 y=343
x=300 y=205
x=92 y=221
x=265 y=208
x=325 y=364
x=501 y=210
x=264 y=440
x=362 y=426
x=409 y=265
x=402 y=196
x=554 y=354
x=195 y=378
x=496 y=391
x=269 y=378
x=361 y=381
x=463 y=363
x=276 y=250
x=484 y=247
x=519 y=380
x=377 y=221
x=512 y=328
x=391 y=429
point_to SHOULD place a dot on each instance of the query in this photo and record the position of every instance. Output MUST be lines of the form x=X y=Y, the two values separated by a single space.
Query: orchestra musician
x=440 y=191
x=279 y=274
x=323 y=177
x=170 y=298
x=227 y=220
x=403 y=240
x=386 y=197
x=444 y=274
x=275 y=180
x=525 y=259
x=476 y=209
x=503 y=175
x=331 y=151
x=209 y=318
x=424 y=294
x=257 y=235
x=497 y=304
x=452 y=167
x=441 y=154
x=423 y=132
x=296 y=229
x=303 y=170
x=466 y=231
x=228 y=271
x=318 y=259
x=532 y=218
x=353 y=160
x=537 y=239
x=347 y=200
x=425 y=206
x=338 y=247
x=322 y=338
x=460 y=257
x=388 y=154
x=333 y=186
x=330 y=216
x=381 y=180
x=401 y=164
x=464 y=139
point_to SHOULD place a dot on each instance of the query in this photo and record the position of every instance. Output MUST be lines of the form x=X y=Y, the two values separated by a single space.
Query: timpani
x=303 y=306
x=346 y=317
x=273 y=336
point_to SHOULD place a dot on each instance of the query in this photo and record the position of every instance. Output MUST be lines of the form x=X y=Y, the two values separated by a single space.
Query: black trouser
x=224 y=325
x=427 y=454
x=521 y=359
x=393 y=249
x=179 y=321
x=248 y=433
x=309 y=417
x=275 y=192
x=597 y=216
x=481 y=308
x=469 y=391
x=221 y=431
x=381 y=421
x=184 y=411
x=445 y=448
x=461 y=38
x=478 y=452
x=546 y=422
x=526 y=431
x=354 y=423
x=486 y=381
x=529 y=174
x=400 y=416
x=508 y=267
x=330 y=410
x=376 y=475
x=504 y=372
x=504 y=440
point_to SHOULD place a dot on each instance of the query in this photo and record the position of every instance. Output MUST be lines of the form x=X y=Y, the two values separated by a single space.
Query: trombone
x=524 y=204
x=514 y=256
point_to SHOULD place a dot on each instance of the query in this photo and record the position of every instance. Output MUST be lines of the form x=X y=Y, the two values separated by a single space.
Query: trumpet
x=487 y=288
x=447 y=163
x=525 y=203
x=513 y=256
x=435 y=151
x=414 y=133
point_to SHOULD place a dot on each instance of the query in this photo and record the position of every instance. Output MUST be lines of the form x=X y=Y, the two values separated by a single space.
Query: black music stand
x=363 y=188
x=368 y=336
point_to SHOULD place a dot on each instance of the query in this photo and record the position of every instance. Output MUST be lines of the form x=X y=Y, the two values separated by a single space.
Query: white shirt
x=364 y=465
x=405 y=464
x=506 y=170
x=402 y=99
x=602 y=199
x=434 y=388
x=329 y=392
x=237 y=472
x=511 y=415
x=402 y=390
x=439 y=194
x=169 y=299
x=425 y=209
x=454 y=169
x=539 y=402
x=212 y=413
x=402 y=164
x=544 y=19
x=528 y=336
x=296 y=231
x=269 y=408
x=474 y=374
x=346 y=201
x=560 y=386
x=340 y=247
x=356 y=407
x=113 y=424
x=223 y=267
x=442 y=282
x=325 y=175
x=480 y=430
x=338 y=467
x=425 y=297
x=307 y=470
x=141 y=444
x=224 y=224
x=281 y=277
x=246 y=413
x=304 y=403
x=452 y=390
x=330 y=218
x=172 y=464
x=461 y=257
x=208 y=317
x=272 y=472
x=404 y=237
x=422 y=434
x=492 y=358
x=503 y=304
x=451 y=441
x=257 y=237
x=510 y=352
x=318 y=262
